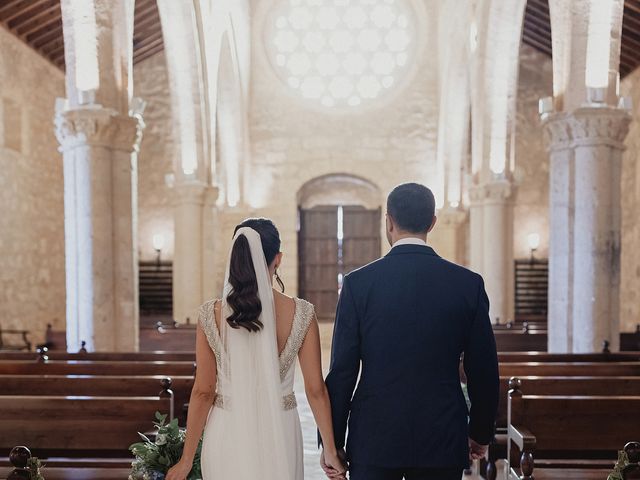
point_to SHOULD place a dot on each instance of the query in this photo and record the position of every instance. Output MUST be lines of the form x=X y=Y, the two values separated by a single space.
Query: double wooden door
x=332 y=242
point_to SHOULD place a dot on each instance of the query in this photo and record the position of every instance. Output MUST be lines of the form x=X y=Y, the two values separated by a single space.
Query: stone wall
x=531 y=212
x=630 y=296
x=292 y=142
x=32 y=280
x=155 y=160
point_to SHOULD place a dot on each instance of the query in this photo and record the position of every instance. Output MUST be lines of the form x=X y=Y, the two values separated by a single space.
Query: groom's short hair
x=412 y=207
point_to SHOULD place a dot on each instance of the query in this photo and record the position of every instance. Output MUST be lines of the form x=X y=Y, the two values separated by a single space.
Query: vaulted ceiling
x=39 y=24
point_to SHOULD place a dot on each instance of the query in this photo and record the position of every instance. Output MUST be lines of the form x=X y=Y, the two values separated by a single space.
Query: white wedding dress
x=254 y=437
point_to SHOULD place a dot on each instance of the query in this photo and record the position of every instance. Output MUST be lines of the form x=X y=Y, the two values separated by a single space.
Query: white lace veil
x=253 y=387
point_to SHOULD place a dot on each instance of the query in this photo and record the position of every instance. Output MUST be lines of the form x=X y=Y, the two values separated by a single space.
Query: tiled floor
x=312 y=455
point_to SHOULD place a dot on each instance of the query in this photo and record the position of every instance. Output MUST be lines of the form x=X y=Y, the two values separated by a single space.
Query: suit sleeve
x=481 y=368
x=345 y=362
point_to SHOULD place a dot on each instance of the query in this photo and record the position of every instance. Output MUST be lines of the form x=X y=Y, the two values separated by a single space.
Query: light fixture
x=596 y=95
x=533 y=240
x=545 y=105
x=158 y=244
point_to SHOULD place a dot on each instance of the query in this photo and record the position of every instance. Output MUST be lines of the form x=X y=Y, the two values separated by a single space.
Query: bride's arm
x=315 y=388
x=202 y=397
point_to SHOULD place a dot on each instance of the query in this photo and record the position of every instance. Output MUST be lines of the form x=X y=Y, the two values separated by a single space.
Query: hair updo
x=244 y=299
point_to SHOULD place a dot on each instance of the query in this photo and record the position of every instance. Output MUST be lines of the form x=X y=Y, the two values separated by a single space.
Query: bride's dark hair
x=244 y=299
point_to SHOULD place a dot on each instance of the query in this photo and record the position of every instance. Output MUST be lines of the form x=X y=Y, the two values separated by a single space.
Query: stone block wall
x=32 y=279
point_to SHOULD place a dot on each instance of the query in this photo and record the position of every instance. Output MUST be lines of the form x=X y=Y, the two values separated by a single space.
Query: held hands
x=334 y=464
x=476 y=451
x=179 y=471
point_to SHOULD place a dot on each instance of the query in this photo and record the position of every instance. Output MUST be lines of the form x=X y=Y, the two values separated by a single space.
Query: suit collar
x=404 y=249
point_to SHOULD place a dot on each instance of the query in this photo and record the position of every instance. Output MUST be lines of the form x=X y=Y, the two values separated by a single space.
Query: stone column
x=492 y=243
x=498 y=248
x=584 y=286
x=194 y=269
x=560 y=315
x=98 y=146
x=449 y=235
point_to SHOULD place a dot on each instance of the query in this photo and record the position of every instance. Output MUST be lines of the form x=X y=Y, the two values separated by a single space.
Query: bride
x=242 y=400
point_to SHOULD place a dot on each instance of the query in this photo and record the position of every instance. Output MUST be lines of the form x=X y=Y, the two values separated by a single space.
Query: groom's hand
x=476 y=451
x=331 y=471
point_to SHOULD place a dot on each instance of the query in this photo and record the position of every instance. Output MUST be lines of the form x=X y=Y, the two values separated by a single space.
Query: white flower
x=161 y=439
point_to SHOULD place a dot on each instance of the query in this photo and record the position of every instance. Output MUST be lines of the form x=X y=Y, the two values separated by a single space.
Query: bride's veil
x=252 y=377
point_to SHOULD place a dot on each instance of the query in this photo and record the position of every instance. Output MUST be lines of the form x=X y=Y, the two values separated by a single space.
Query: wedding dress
x=253 y=429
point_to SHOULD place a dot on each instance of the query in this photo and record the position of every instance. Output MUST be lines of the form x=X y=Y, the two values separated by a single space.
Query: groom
x=403 y=323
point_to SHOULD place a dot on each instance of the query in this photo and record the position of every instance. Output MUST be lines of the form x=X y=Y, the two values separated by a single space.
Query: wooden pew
x=177 y=388
x=567 y=369
x=511 y=357
x=510 y=341
x=555 y=385
x=105 y=356
x=577 y=433
x=19 y=457
x=77 y=427
x=175 y=339
x=86 y=367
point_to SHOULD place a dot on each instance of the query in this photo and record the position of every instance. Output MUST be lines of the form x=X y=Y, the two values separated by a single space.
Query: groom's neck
x=405 y=235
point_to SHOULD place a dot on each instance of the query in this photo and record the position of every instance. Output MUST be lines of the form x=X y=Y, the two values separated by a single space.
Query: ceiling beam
x=55 y=15
x=40 y=39
x=19 y=16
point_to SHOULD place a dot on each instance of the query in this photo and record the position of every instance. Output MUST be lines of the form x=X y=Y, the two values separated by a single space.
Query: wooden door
x=318 y=259
x=361 y=242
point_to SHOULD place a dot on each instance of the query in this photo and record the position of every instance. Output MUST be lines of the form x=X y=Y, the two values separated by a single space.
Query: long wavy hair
x=244 y=299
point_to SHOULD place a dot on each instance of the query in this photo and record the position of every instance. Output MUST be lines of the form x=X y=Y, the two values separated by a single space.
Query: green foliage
x=153 y=459
x=622 y=462
x=34 y=465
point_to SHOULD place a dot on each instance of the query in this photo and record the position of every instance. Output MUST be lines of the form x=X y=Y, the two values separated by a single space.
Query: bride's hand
x=334 y=465
x=179 y=471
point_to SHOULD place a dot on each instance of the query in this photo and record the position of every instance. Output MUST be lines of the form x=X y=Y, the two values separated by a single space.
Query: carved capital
x=452 y=216
x=190 y=193
x=600 y=126
x=100 y=127
x=557 y=131
x=496 y=191
x=587 y=126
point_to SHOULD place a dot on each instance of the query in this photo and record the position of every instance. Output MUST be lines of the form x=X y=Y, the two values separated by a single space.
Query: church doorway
x=333 y=241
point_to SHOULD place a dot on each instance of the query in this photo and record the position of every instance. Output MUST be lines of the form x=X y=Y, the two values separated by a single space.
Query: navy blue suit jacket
x=406 y=319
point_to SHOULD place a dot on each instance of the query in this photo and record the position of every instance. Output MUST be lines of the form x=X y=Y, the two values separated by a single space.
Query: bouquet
x=623 y=461
x=153 y=459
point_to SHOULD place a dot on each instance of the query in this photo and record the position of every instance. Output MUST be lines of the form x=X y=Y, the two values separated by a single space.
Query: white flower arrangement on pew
x=153 y=459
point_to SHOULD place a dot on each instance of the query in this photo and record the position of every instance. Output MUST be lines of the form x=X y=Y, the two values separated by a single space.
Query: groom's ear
x=433 y=224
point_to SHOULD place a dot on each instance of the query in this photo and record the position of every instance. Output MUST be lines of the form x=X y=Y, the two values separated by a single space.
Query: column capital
x=190 y=193
x=452 y=216
x=496 y=191
x=99 y=127
x=586 y=126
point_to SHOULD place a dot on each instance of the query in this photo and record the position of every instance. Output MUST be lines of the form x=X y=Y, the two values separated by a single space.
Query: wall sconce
x=533 y=240
x=158 y=243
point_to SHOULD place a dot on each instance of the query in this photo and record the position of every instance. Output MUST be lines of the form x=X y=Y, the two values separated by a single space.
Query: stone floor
x=311 y=453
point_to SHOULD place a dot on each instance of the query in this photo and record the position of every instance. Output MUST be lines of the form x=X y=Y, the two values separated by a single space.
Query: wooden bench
x=176 y=388
x=567 y=432
x=23 y=342
x=510 y=340
x=79 y=427
x=181 y=338
x=568 y=369
x=511 y=357
x=105 y=356
x=19 y=457
x=554 y=386
x=104 y=368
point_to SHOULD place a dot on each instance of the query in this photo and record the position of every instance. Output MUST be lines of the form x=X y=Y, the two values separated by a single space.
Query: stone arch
x=231 y=131
x=339 y=189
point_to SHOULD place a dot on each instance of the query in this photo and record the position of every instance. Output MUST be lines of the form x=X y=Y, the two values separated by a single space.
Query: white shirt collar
x=410 y=241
